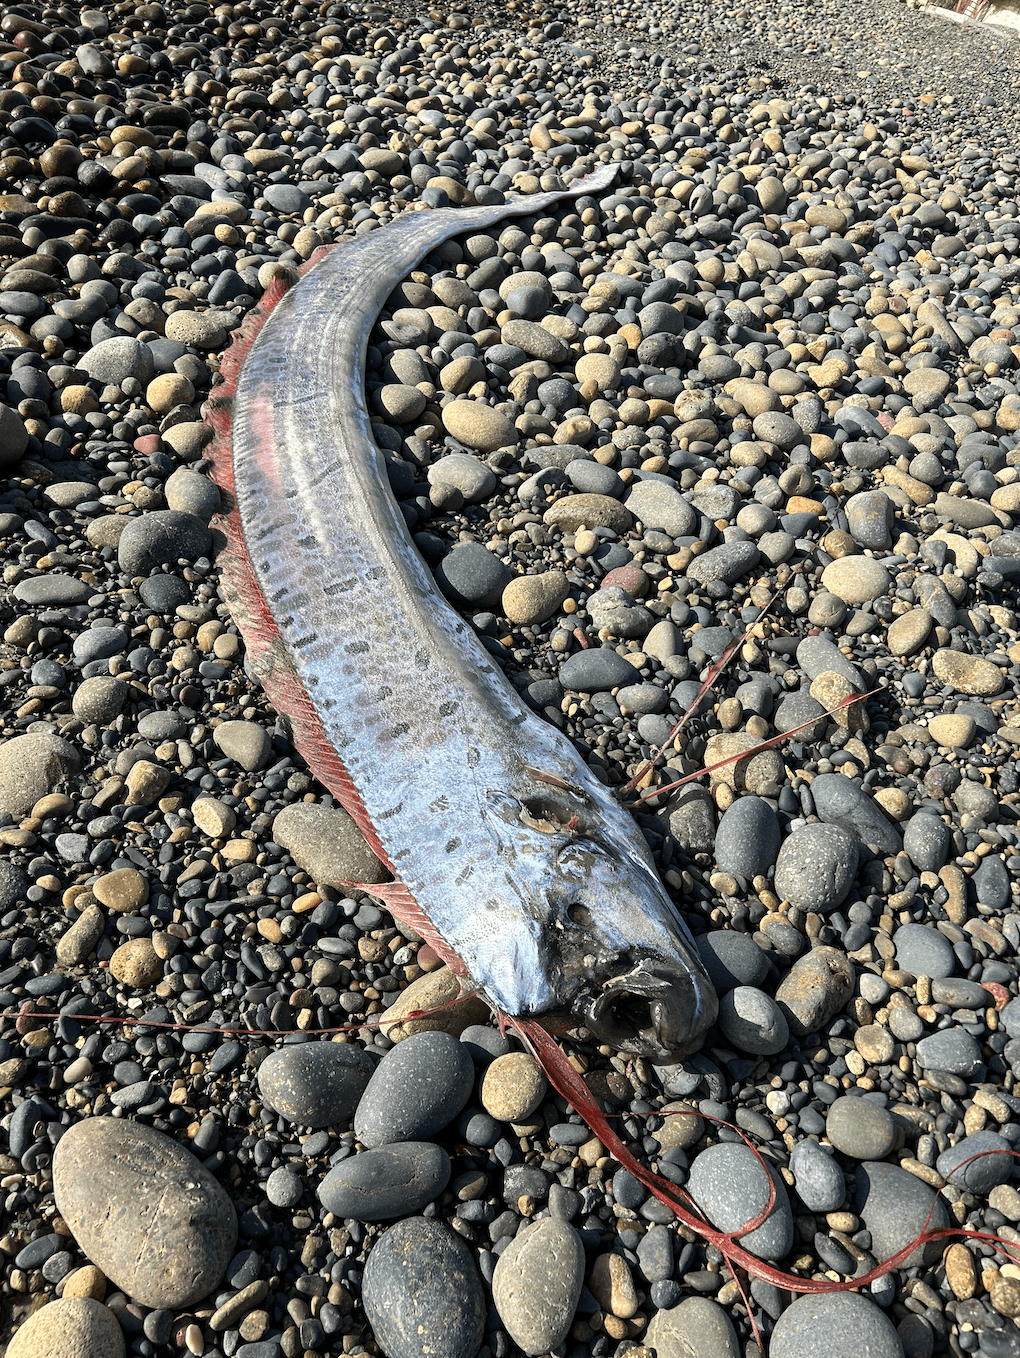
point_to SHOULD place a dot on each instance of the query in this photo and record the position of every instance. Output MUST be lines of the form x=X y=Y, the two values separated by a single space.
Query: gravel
x=777 y=361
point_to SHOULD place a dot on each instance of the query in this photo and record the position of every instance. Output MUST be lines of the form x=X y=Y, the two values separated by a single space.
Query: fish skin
x=403 y=714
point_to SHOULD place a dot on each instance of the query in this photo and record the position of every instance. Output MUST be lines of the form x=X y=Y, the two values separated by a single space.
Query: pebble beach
x=762 y=394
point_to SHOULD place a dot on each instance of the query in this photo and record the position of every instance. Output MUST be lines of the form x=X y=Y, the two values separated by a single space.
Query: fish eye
x=579 y=915
x=544 y=813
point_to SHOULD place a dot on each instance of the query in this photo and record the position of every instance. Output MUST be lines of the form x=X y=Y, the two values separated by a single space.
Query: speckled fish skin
x=440 y=748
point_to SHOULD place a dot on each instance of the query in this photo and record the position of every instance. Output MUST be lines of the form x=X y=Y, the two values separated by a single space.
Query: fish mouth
x=652 y=1010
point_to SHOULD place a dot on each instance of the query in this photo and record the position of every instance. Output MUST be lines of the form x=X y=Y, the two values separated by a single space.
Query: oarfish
x=512 y=858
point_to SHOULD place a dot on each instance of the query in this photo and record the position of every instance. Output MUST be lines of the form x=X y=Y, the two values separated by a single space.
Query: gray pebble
x=894 y=1206
x=816 y=867
x=923 y=951
x=860 y=1129
x=748 y=838
x=729 y=1184
x=537 y=1283
x=980 y=1176
x=418 y=1087
x=389 y=1181
x=818 y=1179
x=315 y=1084
x=821 y=1325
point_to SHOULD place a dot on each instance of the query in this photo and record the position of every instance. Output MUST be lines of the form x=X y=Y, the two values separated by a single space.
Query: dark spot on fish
x=278 y=594
x=375 y=573
x=464 y=874
x=391 y=811
x=357 y=648
x=446 y=709
x=399 y=854
x=421 y=659
x=385 y=691
x=440 y=804
x=519 y=720
x=301 y=642
x=459 y=628
x=452 y=844
x=340 y=587
x=308 y=541
x=473 y=756
x=401 y=729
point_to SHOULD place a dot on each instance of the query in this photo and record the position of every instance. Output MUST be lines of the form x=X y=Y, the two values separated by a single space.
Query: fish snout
x=658 y=1009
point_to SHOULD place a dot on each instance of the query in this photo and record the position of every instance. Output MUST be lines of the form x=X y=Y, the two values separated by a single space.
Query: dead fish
x=512 y=858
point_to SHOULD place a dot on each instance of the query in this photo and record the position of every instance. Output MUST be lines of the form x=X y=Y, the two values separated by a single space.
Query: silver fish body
x=470 y=793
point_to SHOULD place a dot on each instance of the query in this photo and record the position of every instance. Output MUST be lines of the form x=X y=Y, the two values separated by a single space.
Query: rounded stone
x=124 y=890
x=472 y=477
x=953 y=1050
x=994 y=1166
x=753 y=1022
x=31 y=766
x=136 y=965
x=588 y=511
x=113 y=361
x=537 y=1283
x=399 y=402
x=99 y=700
x=325 y=842
x=144 y=1210
x=478 y=426
x=161 y=537
x=698 y=1326
x=513 y=1087
x=909 y=632
x=828 y=1323
x=422 y=1293
x=389 y=1181
x=71 y=1327
x=657 y=505
x=772 y=426
x=245 y=742
x=927 y=841
x=748 y=839
x=952 y=730
x=596 y=670
x=190 y=493
x=435 y=1002
x=169 y=390
x=315 y=1084
x=534 y=598
x=856 y=579
x=923 y=951
x=816 y=867
x=284 y=1188
x=894 y=1206
x=731 y=959
x=729 y=1184
x=472 y=577
x=13 y=436
x=601 y=369
x=817 y=1177
x=968 y=673
x=860 y=1129
x=418 y=1087
x=196 y=328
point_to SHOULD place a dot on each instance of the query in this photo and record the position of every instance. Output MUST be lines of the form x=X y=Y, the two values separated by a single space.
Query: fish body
x=524 y=865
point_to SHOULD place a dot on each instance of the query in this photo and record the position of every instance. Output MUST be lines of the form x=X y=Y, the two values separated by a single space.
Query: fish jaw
x=599 y=936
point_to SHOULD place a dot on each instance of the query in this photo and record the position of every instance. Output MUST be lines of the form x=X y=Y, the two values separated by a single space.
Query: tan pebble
x=613 y=1287
x=1005 y=1296
x=146 y=782
x=908 y=633
x=79 y=1327
x=681 y=1126
x=534 y=598
x=213 y=817
x=55 y=804
x=513 y=1087
x=447 y=1007
x=87 y=1281
x=970 y=674
x=136 y=964
x=952 y=730
x=124 y=890
x=895 y=801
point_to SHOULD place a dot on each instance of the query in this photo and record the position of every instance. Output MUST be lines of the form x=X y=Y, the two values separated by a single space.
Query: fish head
x=612 y=948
